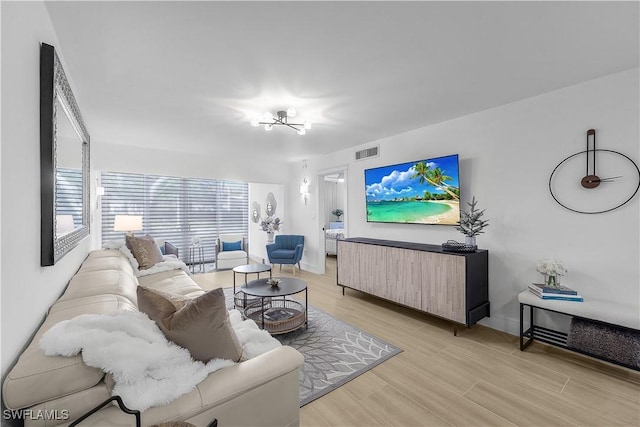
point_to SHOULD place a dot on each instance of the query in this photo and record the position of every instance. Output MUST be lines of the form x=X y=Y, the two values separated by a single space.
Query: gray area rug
x=334 y=352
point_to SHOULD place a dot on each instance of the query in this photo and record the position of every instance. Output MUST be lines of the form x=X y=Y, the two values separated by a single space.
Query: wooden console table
x=451 y=285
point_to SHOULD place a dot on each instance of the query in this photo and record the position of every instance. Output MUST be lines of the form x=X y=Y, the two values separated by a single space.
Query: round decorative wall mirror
x=255 y=212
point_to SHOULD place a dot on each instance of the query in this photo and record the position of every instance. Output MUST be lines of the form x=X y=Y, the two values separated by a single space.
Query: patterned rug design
x=334 y=352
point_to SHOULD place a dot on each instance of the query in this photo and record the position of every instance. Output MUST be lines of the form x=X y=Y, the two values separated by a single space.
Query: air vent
x=367 y=152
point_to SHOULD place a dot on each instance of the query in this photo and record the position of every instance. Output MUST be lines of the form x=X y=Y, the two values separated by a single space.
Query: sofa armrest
x=299 y=249
x=234 y=381
x=170 y=249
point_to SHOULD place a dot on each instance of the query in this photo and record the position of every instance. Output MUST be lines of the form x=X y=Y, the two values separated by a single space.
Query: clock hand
x=608 y=179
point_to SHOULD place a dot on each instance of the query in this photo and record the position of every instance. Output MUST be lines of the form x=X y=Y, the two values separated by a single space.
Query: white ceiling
x=188 y=75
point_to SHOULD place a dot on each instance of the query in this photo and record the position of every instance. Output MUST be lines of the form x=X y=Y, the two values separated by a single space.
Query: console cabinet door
x=404 y=277
x=373 y=269
x=443 y=286
x=348 y=261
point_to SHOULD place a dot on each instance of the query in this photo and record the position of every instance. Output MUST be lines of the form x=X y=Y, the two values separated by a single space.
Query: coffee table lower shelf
x=279 y=317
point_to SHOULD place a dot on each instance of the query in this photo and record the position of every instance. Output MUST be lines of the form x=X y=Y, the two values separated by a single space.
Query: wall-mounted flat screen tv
x=421 y=192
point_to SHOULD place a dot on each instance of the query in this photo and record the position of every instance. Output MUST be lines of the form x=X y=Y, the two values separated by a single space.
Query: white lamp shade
x=127 y=223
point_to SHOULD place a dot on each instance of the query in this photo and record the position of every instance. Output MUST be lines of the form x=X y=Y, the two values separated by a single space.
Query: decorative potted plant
x=270 y=225
x=552 y=269
x=338 y=213
x=470 y=223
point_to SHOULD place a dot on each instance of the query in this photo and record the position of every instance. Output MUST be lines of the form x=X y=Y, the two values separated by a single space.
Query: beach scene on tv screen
x=421 y=192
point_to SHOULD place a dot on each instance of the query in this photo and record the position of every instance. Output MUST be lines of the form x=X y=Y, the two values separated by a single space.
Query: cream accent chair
x=227 y=259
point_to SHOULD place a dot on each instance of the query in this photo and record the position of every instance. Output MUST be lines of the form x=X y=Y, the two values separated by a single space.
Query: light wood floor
x=479 y=378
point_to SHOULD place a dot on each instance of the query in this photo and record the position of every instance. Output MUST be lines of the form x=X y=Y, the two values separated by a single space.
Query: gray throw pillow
x=201 y=324
x=145 y=250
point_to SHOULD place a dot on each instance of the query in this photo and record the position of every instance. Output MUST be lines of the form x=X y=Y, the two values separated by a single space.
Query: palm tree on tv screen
x=435 y=177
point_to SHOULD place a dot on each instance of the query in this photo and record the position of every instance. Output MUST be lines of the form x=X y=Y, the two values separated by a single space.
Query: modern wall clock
x=595 y=180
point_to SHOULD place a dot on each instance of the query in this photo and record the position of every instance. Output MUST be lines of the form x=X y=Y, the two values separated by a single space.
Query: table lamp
x=127 y=223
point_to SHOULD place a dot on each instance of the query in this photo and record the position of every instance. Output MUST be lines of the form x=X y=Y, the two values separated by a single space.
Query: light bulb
x=255 y=123
x=268 y=127
x=307 y=124
x=291 y=112
x=267 y=117
x=301 y=131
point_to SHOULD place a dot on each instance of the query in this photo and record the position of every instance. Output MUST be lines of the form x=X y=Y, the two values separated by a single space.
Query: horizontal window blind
x=176 y=209
x=69 y=196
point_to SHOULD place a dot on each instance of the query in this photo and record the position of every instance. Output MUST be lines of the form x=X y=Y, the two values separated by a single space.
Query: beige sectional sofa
x=258 y=392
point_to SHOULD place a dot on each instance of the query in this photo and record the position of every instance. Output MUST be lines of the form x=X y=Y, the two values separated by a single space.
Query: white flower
x=552 y=267
x=270 y=224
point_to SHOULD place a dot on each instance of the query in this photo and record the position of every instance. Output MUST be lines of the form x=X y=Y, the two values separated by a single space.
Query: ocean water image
x=411 y=212
x=420 y=192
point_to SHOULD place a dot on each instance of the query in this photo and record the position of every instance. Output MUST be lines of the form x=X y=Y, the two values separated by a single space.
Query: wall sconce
x=304 y=190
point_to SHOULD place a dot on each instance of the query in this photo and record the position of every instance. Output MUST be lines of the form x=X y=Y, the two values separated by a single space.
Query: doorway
x=332 y=212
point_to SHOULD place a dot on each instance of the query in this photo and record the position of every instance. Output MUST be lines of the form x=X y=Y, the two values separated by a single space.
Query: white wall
x=258 y=238
x=506 y=157
x=27 y=289
x=247 y=168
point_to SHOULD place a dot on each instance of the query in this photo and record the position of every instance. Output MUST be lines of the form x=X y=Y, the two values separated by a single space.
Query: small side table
x=247 y=269
x=196 y=258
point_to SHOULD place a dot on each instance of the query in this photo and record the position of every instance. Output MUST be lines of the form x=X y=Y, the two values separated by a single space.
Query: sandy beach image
x=451 y=216
x=421 y=192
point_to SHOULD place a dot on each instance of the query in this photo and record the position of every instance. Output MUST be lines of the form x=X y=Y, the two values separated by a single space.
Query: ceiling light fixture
x=282 y=119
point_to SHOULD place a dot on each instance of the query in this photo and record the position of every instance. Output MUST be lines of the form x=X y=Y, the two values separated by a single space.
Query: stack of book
x=560 y=293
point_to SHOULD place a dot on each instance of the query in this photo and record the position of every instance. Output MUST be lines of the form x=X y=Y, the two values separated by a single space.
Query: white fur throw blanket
x=148 y=370
x=170 y=262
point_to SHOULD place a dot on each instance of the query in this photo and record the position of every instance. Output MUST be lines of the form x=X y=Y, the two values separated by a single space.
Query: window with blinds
x=176 y=209
x=68 y=200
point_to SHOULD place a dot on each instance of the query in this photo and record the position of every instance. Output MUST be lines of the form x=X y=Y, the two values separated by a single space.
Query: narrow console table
x=451 y=285
x=615 y=322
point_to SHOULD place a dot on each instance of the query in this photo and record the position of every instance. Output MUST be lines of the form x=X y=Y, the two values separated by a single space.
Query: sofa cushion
x=101 y=260
x=232 y=254
x=101 y=282
x=201 y=324
x=146 y=250
x=173 y=282
x=37 y=378
x=75 y=405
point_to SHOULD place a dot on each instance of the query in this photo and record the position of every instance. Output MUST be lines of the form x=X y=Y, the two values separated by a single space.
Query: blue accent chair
x=286 y=249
